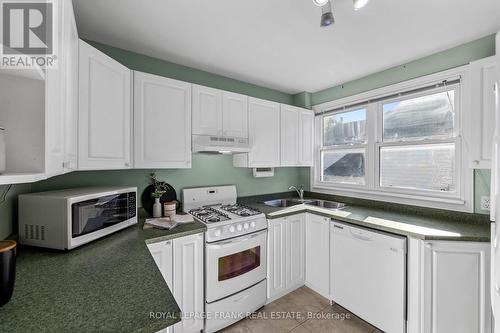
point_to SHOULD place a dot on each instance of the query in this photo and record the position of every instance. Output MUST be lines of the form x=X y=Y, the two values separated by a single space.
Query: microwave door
x=86 y=213
x=93 y=215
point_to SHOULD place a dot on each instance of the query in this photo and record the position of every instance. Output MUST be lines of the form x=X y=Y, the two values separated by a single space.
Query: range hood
x=219 y=144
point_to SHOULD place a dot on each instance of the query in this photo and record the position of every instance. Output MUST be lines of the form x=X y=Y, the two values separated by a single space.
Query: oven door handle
x=236 y=240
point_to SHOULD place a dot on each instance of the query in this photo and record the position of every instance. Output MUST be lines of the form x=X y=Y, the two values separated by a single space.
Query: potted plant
x=159 y=189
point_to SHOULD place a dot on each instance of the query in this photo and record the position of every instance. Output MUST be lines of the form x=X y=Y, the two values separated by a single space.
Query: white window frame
x=460 y=200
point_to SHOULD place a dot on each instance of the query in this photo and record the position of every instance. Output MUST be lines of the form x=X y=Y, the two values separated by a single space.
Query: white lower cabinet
x=456 y=287
x=286 y=251
x=318 y=254
x=180 y=261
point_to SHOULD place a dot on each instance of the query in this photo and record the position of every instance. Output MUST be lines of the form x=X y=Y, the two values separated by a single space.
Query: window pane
x=426 y=117
x=429 y=167
x=344 y=166
x=345 y=127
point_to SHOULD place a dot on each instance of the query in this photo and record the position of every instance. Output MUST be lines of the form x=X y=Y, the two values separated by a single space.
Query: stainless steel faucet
x=300 y=191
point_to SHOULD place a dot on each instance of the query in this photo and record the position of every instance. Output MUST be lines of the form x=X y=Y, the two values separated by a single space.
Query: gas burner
x=209 y=214
x=240 y=210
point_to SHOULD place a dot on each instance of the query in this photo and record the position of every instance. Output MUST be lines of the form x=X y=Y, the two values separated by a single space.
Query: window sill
x=454 y=204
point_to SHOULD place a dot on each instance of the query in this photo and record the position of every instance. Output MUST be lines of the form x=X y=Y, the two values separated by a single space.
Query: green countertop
x=418 y=226
x=109 y=285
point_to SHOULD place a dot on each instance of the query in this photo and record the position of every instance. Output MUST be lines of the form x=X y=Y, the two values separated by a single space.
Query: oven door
x=235 y=264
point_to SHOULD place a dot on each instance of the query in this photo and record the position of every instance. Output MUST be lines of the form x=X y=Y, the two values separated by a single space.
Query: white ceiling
x=278 y=43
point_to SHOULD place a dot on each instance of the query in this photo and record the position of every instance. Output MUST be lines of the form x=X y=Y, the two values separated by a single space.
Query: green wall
x=454 y=57
x=206 y=170
x=481 y=188
x=8 y=208
x=156 y=66
x=437 y=62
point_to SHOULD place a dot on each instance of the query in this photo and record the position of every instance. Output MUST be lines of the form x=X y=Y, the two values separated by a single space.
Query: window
x=343 y=157
x=416 y=151
x=404 y=146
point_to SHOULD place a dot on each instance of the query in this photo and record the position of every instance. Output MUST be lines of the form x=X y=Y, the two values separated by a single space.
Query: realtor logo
x=27 y=34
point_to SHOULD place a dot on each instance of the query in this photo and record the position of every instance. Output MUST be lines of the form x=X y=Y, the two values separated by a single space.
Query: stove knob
x=253 y=225
x=231 y=228
x=217 y=232
x=239 y=227
x=245 y=226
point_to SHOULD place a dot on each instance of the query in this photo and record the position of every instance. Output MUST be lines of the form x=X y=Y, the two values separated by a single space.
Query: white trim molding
x=460 y=199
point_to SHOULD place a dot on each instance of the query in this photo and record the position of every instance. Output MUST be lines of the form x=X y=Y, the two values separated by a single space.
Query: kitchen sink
x=286 y=202
x=293 y=202
x=327 y=204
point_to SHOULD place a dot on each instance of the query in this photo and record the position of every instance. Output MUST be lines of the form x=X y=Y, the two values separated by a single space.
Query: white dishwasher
x=368 y=275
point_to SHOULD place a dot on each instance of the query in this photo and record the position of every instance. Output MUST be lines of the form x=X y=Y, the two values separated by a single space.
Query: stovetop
x=220 y=213
x=240 y=210
x=208 y=214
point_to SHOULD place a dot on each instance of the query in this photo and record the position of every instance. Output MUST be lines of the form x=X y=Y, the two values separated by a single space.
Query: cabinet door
x=207 y=111
x=188 y=281
x=295 y=251
x=104 y=136
x=290 y=117
x=234 y=115
x=276 y=282
x=318 y=254
x=162 y=255
x=71 y=68
x=456 y=287
x=482 y=118
x=264 y=133
x=55 y=102
x=162 y=122
x=306 y=137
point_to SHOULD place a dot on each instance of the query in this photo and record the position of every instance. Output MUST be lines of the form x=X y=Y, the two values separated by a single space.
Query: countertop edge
x=318 y=211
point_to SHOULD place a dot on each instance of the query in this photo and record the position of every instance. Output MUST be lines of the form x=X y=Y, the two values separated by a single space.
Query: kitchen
x=316 y=192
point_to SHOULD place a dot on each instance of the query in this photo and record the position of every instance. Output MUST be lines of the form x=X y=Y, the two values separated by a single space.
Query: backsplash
x=481 y=188
x=207 y=170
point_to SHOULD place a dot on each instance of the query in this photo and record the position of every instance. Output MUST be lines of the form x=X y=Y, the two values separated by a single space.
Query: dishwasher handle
x=353 y=232
x=365 y=236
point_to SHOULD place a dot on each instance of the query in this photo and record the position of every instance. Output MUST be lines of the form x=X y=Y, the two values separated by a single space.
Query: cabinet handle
x=127 y=164
x=476 y=162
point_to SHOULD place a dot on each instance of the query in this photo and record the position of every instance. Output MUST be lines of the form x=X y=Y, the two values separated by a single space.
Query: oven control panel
x=234 y=229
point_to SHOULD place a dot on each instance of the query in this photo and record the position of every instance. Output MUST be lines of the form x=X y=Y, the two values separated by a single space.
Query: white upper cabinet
x=306 y=137
x=219 y=113
x=290 y=118
x=104 y=136
x=482 y=113
x=264 y=134
x=71 y=67
x=234 y=115
x=297 y=126
x=162 y=122
x=55 y=102
x=207 y=111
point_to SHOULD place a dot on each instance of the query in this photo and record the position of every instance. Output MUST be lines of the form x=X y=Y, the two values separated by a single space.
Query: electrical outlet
x=485 y=203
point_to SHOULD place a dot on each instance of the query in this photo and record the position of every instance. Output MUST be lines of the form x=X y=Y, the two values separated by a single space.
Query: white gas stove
x=235 y=254
x=217 y=208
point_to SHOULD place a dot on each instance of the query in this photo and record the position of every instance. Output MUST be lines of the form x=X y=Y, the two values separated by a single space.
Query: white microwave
x=66 y=219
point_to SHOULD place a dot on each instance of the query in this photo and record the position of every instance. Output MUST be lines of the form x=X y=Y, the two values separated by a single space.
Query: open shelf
x=20 y=178
x=35 y=73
